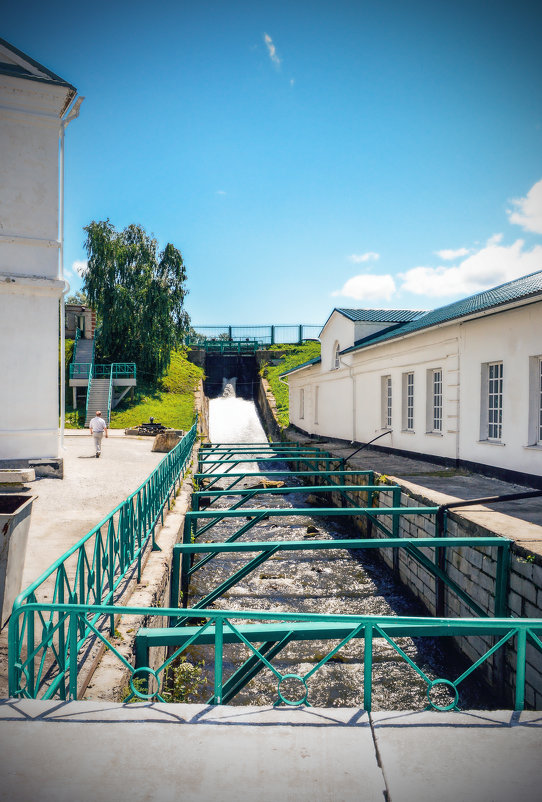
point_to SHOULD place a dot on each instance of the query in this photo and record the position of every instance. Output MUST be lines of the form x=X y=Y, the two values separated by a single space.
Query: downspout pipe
x=71 y=114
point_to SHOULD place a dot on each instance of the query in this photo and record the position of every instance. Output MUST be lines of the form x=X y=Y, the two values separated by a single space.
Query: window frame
x=302 y=403
x=408 y=401
x=495 y=397
x=436 y=409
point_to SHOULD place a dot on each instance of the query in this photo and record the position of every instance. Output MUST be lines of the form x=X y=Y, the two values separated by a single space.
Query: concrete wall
x=474 y=570
x=29 y=288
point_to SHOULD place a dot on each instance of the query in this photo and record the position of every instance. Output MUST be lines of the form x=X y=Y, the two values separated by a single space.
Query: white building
x=462 y=384
x=35 y=106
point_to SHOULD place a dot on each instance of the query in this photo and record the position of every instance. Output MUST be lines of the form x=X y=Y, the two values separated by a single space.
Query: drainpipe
x=354 y=424
x=71 y=114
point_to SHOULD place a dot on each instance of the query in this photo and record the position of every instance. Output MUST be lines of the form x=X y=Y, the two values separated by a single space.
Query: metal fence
x=80 y=623
x=264 y=335
x=91 y=573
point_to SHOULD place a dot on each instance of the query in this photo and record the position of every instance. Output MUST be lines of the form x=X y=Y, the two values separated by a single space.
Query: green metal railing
x=88 y=392
x=79 y=625
x=118 y=370
x=264 y=335
x=93 y=572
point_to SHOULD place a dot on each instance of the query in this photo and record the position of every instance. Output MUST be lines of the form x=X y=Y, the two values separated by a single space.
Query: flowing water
x=331 y=581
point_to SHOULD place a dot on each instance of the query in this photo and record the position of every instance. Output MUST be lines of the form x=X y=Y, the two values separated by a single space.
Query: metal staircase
x=98 y=397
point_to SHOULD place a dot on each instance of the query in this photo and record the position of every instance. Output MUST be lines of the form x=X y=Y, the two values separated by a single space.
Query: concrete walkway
x=446 y=484
x=66 y=509
x=98 y=752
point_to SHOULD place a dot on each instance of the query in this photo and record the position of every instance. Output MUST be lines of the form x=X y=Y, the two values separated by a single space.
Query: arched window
x=336 y=357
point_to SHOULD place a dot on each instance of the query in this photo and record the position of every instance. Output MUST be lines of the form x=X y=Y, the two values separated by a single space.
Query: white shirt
x=98 y=425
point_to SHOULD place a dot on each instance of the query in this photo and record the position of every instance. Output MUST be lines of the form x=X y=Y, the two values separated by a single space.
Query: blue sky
x=305 y=155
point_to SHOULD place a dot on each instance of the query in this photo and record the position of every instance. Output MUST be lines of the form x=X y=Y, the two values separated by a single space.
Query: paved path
x=439 y=480
x=66 y=509
x=98 y=752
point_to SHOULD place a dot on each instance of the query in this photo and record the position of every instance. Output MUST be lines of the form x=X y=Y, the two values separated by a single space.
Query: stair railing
x=108 y=419
x=88 y=390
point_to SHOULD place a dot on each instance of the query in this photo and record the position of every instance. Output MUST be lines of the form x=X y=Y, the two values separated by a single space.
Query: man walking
x=97 y=428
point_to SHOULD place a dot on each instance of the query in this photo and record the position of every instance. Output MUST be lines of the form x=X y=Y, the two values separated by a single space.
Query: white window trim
x=407 y=407
x=386 y=402
x=485 y=399
x=534 y=435
x=336 y=359
x=431 y=397
x=302 y=404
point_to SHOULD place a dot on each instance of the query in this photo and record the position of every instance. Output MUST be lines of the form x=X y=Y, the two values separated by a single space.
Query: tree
x=77 y=298
x=138 y=294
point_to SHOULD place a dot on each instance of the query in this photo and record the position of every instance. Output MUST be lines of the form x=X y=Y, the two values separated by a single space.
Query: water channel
x=329 y=581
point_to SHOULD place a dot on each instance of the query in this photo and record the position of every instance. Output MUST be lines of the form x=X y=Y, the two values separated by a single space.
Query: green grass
x=169 y=401
x=294 y=355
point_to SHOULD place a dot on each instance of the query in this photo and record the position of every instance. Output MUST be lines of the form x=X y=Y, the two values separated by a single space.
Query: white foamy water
x=234 y=420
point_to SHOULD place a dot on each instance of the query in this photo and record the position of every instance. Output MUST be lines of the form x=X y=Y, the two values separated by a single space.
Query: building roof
x=519 y=289
x=314 y=361
x=17 y=64
x=380 y=315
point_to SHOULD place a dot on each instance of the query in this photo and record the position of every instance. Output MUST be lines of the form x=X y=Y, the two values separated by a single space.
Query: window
x=494 y=400
x=435 y=424
x=535 y=401
x=302 y=404
x=408 y=402
x=336 y=357
x=385 y=389
x=316 y=389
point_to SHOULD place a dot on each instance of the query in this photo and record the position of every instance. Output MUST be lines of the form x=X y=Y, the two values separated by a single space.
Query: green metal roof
x=516 y=290
x=37 y=71
x=303 y=365
x=380 y=315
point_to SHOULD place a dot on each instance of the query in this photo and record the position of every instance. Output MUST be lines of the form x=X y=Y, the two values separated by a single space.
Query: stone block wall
x=474 y=569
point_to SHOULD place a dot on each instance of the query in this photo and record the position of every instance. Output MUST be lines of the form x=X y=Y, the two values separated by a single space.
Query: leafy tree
x=138 y=294
x=77 y=298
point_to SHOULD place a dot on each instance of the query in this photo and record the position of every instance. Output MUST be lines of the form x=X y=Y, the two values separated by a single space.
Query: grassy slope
x=170 y=401
x=295 y=355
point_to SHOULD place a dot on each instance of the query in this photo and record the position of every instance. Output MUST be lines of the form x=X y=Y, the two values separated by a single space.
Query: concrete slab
x=455 y=757
x=93 y=752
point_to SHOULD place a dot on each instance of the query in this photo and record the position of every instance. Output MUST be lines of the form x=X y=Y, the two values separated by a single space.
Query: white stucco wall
x=29 y=288
x=511 y=338
x=459 y=350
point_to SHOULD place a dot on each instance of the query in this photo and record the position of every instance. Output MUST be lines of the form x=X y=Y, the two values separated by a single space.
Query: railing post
x=440 y=561
x=272 y=335
x=501 y=579
x=300 y=334
x=219 y=644
x=520 y=669
x=368 y=668
x=73 y=656
x=395 y=526
x=185 y=563
x=61 y=634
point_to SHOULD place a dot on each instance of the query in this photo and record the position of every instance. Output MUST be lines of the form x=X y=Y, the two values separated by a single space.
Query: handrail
x=119 y=369
x=73 y=623
x=88 y=390
x=110 y=394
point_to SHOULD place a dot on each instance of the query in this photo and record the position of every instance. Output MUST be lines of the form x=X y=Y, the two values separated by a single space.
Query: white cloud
x=292 y=81
x=368 y=288
x=220 y=192
x=449 y=254
x=492 y=265
x=80 y=267
x=271 y=49
x=528 y=212
x=364 y=257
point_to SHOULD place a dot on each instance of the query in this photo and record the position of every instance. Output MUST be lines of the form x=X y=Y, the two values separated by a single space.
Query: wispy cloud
x=449 y=254
x=492 y=265
x=528 y=213
x=271 y=49
x=364 y=257
x=221 y=192
x=368 y=288
x=80 y=267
